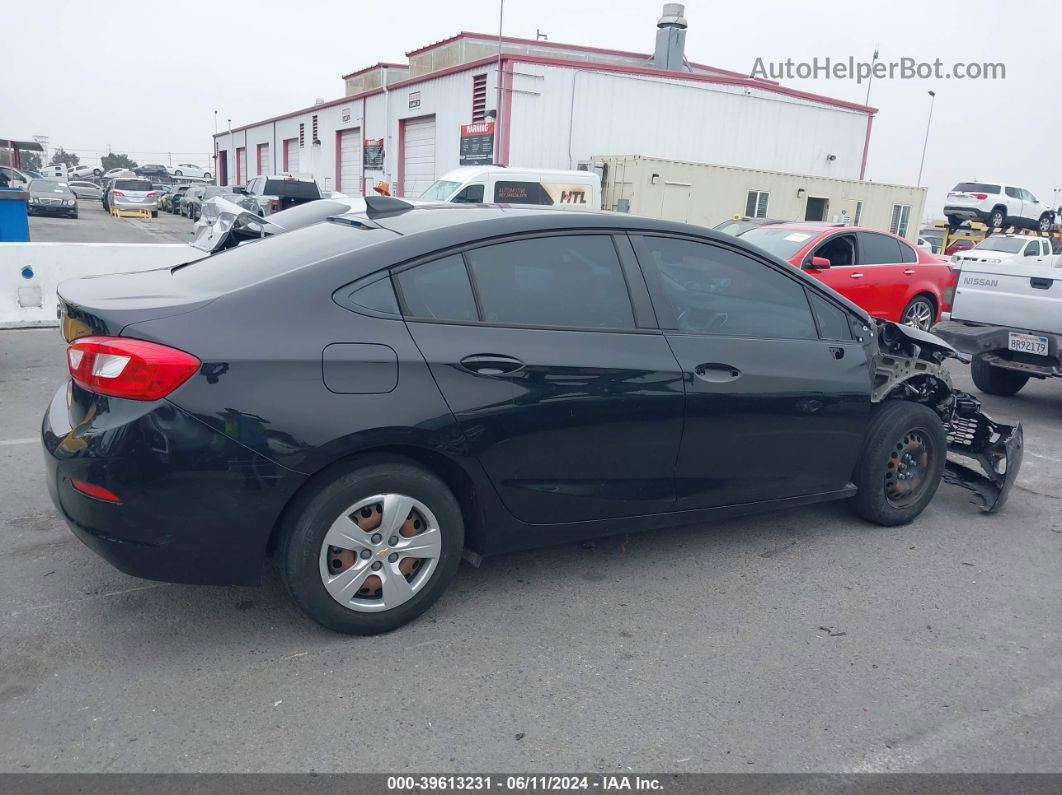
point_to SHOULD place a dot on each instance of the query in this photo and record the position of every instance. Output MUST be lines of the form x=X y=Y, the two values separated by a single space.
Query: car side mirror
x=819 y=263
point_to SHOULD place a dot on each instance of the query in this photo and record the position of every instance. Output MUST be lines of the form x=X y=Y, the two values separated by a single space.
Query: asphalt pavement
x=94 y=225
x=804 y=640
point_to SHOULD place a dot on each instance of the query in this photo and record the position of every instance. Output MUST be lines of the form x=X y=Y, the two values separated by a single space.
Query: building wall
x=448 y=98
x=561 y=115
x=704 y=194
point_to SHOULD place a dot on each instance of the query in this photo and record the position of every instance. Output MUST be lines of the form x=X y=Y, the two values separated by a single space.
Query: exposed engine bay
x=909 y=365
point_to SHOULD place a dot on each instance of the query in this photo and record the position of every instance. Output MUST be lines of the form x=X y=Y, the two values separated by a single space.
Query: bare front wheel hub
x=363 y=571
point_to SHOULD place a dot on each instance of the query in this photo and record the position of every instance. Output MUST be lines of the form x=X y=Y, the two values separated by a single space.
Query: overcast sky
x=145 y=78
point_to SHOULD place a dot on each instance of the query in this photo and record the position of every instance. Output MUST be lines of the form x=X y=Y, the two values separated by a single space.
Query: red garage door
x=291 y=155
x=241 y=165
x=265 y=165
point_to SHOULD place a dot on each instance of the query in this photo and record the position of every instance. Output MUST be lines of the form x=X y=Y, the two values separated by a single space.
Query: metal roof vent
x=670 y=50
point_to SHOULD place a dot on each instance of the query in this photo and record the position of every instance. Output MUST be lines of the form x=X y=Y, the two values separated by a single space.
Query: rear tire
x=998 y=218
x=901 y=464
x=996 y=380
x=920 y=313
x=1044 y=224
x=302 y=547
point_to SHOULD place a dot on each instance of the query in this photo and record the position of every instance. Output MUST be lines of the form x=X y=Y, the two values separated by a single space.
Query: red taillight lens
x=128 y=368
x=92 y=490
x=275 y=205
x=117 y=193
x=980 y=196
x=152 y=195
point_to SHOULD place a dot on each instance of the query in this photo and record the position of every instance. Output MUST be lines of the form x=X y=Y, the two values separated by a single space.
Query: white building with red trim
x=560 y=105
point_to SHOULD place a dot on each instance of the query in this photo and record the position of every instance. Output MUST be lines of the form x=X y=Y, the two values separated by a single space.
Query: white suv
x=997 y=206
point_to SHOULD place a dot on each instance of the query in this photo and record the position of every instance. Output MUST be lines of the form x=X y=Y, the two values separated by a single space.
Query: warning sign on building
x=477 y=144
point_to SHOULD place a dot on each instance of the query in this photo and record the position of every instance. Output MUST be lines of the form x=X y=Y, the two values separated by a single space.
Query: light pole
x=932 y=99
x=497 y=115
x=216 y=180
x=870 y=82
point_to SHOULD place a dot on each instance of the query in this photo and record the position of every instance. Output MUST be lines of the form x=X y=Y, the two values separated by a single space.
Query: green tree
x=31 y=161
x=69 y=159
x=116 y=160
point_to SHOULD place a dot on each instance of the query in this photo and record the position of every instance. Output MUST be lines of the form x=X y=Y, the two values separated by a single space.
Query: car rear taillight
x=980 y=196
x=117 y=193
x=152 y=194
x=274 y=205
x=128 y=368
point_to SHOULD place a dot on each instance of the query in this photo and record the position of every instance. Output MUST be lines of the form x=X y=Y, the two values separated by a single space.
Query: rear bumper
x=125 y=205
x=990 y=342
x=197 y=507
x=966 y=213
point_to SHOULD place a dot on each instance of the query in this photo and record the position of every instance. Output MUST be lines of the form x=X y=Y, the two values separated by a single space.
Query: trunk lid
x=104 y=305
x=1013 y=294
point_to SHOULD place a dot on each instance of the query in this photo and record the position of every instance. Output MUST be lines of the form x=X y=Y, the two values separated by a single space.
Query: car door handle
x=908 y=271
x=491 y=364
x=856 y=275
x=716 y=373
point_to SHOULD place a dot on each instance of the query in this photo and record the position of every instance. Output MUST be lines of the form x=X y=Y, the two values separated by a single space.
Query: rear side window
x=521 y=193
x=975 y=187
x=1014 y=193
x=704 y=289
x=569 y=280
x=832 y=322
x=878 y=249
x=438 y=290
x=907 y=254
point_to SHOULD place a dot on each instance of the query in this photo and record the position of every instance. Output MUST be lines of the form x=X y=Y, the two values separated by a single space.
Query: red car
x=880 y=272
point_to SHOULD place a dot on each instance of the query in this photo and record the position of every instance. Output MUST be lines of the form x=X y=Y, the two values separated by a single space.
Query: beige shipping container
x=706 y=194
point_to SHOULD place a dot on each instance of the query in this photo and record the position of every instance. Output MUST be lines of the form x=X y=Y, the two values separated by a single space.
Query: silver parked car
x=86 y=190
x=135 y=193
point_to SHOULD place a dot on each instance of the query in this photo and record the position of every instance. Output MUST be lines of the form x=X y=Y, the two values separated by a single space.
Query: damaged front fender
x=910 y=365
x=997 y=449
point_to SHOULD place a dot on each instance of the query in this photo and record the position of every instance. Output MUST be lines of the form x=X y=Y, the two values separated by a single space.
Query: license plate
x=1027 y=343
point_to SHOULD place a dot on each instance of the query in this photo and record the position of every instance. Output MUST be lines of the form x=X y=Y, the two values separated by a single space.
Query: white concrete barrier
x=30 y=272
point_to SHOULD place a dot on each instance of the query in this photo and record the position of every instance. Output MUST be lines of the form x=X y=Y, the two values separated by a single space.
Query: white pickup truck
x=1013 y=249
x=1008 y=315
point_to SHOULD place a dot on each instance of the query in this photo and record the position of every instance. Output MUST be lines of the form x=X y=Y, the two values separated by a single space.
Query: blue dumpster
x=14 y=220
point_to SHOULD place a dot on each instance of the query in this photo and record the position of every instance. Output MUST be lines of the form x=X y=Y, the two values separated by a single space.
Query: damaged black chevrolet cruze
x=371 y=397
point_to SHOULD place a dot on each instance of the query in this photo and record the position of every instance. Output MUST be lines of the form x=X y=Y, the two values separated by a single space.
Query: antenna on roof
x=385 y=206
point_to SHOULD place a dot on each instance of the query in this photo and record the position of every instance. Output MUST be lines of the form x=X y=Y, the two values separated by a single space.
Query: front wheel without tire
x=996 y=380
x=373 y=548
x=901 y=463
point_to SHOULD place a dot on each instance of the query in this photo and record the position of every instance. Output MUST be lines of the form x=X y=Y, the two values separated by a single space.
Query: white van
x=55 y=171
x=504 y=185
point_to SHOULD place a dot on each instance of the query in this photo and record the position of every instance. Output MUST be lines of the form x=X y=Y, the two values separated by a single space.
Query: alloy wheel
x=919 y=314
x=908 y=467
x=380 y=552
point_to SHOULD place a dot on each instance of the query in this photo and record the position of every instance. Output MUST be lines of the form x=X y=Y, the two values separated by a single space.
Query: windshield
x=1007 y=245
x=47 y=186
x=440 y=190
x=132 y=184
x=777 y=240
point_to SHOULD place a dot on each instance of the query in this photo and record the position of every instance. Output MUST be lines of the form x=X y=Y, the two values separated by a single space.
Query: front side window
x=569 y=280
x=840 y=250
x=756 y=204
x=833 y=322
x=705 y=289
x=1033 y=249
x=471 y=194
x=879 y=250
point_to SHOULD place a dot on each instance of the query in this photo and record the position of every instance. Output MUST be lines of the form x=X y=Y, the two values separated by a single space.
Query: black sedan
x=50 y=197
x=372 y=396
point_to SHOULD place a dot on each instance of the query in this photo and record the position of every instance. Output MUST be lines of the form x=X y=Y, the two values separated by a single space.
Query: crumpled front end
x=997 y=450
